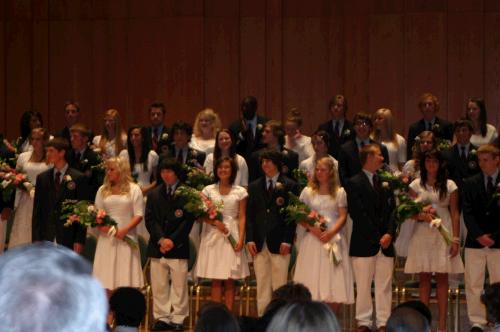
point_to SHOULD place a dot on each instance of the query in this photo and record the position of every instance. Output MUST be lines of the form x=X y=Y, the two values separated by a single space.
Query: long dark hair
x=217 y=150
x=25 y=123
x=442 y=174
x=132 y=158
x=482 y=114
x=234 y=168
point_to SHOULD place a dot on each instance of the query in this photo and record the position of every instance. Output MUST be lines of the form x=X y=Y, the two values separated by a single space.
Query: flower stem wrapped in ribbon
x=86 y=214
x=201 y=207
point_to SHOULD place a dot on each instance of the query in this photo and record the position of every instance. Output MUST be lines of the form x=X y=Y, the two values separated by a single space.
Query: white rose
x=28 y=186
x=385 y=184
x=91 y=208
x=67 y=178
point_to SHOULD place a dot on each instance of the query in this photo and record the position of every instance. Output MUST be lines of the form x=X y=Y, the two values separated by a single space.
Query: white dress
x=23 y=204
x=109 y=148
x=309 y=165
x=117 y=264
x=216 y=258
x=302 y=147
x=204 y=145
x=143 y=180
x=242 y=174
x=427 y=251
x=397 y=153
x=315 y=268
x=491 y=135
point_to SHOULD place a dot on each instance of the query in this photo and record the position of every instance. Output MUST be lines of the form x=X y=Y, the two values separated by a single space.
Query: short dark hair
x=460 y=123
x=159 y=105
x=274 y=156
x=249 y=103
x=215 y=317
x=182 y=126
x=363 y=117
x=60 y=144
x=171 y=164
x=234 y=168
x=277 y=130
x=128 y=305
x=419 y=306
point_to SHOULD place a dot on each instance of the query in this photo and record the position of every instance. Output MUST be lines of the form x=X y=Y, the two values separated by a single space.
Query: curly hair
x=125 y=176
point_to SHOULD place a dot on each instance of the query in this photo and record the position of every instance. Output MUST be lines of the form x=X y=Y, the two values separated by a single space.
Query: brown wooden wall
x=194 y=53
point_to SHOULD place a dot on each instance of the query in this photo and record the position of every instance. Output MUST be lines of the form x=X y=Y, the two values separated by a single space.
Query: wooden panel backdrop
x=288 y=53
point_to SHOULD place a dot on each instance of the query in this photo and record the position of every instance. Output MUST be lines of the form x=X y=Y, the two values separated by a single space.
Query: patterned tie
x=57 y=182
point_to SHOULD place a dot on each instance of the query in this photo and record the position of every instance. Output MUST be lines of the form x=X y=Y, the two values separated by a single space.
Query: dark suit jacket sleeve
x=391 y=221
x=153 y=225
x=250 y=215
x=83 y=193
x=355 y=202
x=343 y=167
x=468 y=201
x=37 y=209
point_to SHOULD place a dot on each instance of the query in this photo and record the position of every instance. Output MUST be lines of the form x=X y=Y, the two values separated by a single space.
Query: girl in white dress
x=143 y=162
x=32 y=163
x=484 y=132
x=217 y=259
x=385 y=133
x=226 y=147
x=315 y=268
x=428 y=253
x=116 y=263
x=320 y=141
x=294 y=139
x=424 y=142
x=113 y=139
x=206 y=125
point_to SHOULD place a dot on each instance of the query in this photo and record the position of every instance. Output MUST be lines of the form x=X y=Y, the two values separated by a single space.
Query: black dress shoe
x=176 y=327
x=476 y=329
x=160 y=325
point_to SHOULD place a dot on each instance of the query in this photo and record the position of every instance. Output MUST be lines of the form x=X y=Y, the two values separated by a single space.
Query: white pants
x=3 y=232
x=378 y=268
x=476 y=260
x=170 y=290
x=271 y=272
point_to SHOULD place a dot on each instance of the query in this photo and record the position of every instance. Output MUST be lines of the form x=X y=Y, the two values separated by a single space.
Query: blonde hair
x=44 y=133
x=124 y=180
x=490 y=149
x=295 y=117
x=119 y=132
x=333 y=182
x=387 y=132
x=214 y=117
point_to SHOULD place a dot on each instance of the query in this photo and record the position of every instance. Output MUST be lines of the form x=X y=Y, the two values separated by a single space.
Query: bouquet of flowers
x=197 y=178
x=86 y=214
x=202 y=207
x=301 y=177
x=407 y=208
x=297 y=212
x=396 y=183
x=13 y=180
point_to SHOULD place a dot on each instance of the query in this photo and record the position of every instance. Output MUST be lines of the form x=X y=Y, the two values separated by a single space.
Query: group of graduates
x=133 y=176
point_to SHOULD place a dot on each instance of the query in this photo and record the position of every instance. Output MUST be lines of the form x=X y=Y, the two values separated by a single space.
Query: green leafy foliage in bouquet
x=301 y=177
x=297 y=211
x=196 y=178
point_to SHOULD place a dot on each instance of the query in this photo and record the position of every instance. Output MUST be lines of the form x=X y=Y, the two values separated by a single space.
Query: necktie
x=155 y=138
x=169 y=192
x=376 y=182
x=180 y=159
x=428 y=126
x=463 y=156
x=489 y=186
x=337 y=129
x=361 y=144
x=57 y=182
x=270 y=187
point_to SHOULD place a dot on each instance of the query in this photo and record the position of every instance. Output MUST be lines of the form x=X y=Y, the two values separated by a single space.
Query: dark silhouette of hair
x=217 y=150
x=483 y=118
x=128 y=305
x=215 y=317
